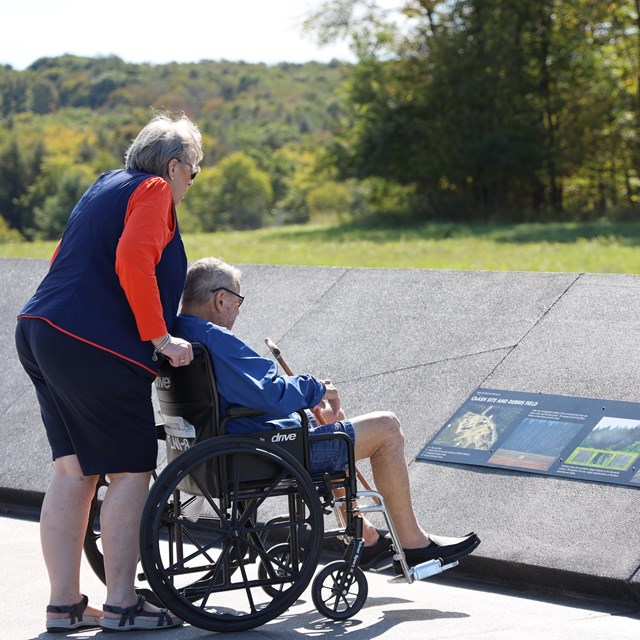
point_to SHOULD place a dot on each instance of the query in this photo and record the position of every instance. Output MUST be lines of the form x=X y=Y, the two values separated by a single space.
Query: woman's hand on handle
x=179 y=352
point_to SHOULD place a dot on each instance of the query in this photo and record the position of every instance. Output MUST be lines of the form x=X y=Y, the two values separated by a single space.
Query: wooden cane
x=273 y=347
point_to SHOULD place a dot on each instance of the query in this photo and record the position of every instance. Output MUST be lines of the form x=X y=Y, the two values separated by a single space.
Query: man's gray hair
x=207 y=274
x=161 y=140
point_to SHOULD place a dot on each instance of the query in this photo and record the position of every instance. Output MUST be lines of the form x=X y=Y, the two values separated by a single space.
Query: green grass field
x=588 y=248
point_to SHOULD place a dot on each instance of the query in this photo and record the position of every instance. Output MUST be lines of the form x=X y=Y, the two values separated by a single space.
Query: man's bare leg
x=379 y=437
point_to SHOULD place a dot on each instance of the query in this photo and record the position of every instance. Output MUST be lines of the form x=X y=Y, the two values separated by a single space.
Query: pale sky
x=161 y=31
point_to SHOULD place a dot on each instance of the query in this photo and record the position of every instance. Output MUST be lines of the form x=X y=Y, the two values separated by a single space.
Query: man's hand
x=329 y=408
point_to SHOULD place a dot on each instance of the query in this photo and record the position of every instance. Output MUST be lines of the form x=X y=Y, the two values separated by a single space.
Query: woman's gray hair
x=161 y=140
x=207 y=274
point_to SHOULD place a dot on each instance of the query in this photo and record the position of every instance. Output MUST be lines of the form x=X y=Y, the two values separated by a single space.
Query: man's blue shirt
x=245 y=378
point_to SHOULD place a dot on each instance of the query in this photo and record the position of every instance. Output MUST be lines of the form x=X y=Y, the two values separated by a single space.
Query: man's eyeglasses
x=195 y=172
x=237 y=295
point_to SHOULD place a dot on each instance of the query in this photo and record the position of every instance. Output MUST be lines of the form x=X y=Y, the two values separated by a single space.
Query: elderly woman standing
x=89 y=339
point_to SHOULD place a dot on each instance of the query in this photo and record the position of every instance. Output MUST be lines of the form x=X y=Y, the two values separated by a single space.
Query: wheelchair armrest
x=237 y=411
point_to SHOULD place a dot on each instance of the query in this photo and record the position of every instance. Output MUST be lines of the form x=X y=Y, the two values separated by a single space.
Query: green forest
x=461 y=111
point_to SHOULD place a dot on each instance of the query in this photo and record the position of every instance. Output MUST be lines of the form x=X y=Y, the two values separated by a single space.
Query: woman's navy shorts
x=329 y=455
x=93 y=404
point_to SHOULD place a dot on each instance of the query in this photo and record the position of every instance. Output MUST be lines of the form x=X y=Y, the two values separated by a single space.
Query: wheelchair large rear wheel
x=212 y=569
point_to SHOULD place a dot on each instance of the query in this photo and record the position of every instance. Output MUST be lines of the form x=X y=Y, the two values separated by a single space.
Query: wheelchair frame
x=232 y=529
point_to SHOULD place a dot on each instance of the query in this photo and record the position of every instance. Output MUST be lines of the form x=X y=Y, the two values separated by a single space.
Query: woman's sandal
x=76 y=619
x=128 y=615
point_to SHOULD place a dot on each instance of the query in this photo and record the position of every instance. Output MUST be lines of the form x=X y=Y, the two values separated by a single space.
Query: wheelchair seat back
x=188 y=401
x=189 y=404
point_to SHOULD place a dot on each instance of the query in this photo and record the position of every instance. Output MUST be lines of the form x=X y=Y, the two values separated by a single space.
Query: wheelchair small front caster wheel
x=337 y=593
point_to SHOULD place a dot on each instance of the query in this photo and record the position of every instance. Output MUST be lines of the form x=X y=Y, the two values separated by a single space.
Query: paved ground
x=441 y=608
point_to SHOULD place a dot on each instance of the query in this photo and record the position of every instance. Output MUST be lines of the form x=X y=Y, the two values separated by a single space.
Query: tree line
x=462 y=110
x=526 y=109
x=65 y=120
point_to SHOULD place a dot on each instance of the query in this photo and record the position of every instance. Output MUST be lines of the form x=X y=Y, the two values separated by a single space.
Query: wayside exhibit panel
x=581 y=438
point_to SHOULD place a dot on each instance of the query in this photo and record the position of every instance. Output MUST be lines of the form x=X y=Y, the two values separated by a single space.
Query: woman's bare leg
x=63 y=523
x=120 y=524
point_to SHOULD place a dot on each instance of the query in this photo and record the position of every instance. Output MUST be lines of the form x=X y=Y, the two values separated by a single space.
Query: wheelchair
x=233 y=527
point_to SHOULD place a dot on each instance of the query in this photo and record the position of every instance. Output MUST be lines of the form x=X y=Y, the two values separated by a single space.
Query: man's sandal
x=133 y=618
x=76 y=619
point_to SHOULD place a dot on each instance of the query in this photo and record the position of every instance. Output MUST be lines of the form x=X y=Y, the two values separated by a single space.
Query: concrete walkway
x=438 y=609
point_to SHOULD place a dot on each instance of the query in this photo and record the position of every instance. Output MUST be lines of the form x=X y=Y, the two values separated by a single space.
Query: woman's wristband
x=161 y=346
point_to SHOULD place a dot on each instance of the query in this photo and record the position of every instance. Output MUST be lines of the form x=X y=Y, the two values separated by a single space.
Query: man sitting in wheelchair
x=210 y=305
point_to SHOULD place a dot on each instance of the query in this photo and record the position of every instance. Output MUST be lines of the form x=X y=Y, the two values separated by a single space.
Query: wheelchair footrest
x=430 y=568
